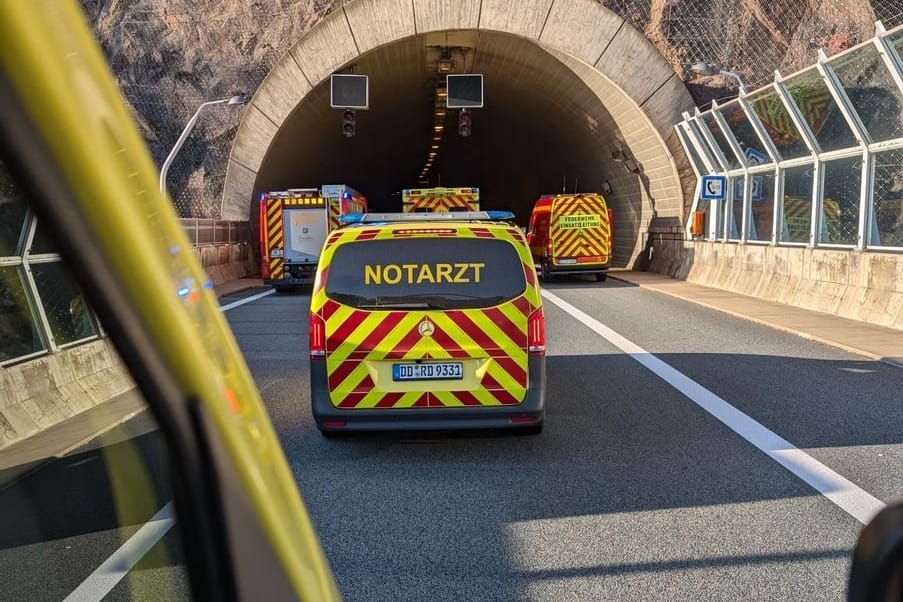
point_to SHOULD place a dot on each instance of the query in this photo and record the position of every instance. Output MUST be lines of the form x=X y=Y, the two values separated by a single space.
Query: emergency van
x=294 y=224
x=427 y=321
x=571 y=234
x=440 y=200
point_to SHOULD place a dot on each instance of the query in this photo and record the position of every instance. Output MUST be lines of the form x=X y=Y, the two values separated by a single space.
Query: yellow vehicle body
x=412 y=328
x=571 y=233
x=798 y=218
x=59 y=75
x=440 y=200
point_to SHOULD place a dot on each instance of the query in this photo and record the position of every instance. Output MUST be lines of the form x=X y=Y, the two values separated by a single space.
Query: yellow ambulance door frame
x=58 y=72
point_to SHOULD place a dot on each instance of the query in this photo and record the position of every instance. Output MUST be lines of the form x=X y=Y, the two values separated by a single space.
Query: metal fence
x=814 y=159
x=207 y=232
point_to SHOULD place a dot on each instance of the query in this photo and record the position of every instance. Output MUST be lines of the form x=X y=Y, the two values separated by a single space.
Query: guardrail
x=209 y=232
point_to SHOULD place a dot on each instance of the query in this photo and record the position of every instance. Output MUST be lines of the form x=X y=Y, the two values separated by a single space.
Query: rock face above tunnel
x=171 y=55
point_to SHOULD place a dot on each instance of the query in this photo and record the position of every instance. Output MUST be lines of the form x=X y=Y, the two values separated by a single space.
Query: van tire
x=533 y=429
x=544 y=272
x=601 y=276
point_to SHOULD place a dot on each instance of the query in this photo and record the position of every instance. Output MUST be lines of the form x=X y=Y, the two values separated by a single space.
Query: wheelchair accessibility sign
x=714 y=188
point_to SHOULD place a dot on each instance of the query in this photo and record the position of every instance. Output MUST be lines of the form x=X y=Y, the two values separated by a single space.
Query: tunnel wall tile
x=238 y=192
x=326 y=48
x=437 y=15
x=581 y=27
x=666 y=105
x=378 y=22
x=634 y=132
x=525 y=17
x=281 y=91
x=627 y=50
x=255 y=134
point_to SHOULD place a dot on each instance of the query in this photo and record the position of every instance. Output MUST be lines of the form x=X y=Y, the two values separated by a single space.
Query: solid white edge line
x=241 y=302
x=853 y=500
x=102 y=581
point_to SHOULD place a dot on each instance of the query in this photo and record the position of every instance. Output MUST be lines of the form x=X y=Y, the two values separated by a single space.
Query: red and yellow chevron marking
x=361 y=345
x=334 y=208
x=571 y=240
x=774 y=116
x=798 y=216
x=442 y=204
x=814 y=102
x=340 y=207
x=274 y=236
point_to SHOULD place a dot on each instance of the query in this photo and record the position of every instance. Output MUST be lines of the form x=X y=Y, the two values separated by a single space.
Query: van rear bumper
x=427 y=419
x=580 y=269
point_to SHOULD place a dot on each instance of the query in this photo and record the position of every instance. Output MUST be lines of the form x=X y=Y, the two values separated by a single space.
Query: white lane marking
x=853 y=500
x=99 y=583
x=107 y=575
x=240 y=302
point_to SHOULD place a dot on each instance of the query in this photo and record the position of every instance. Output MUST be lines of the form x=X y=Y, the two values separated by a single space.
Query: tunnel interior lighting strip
x=439 y=113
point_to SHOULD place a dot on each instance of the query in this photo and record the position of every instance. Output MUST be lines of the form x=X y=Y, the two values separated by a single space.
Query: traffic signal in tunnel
x=349 y=125
x=465 y=123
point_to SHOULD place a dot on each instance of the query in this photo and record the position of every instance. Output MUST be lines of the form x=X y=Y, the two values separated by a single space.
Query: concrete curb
x=776 y=325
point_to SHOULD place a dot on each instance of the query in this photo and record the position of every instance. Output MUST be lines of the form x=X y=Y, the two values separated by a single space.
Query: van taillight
x=317 y=337
x=536 y=333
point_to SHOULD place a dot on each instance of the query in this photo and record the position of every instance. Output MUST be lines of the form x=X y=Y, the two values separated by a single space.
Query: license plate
x=567 y=261
x=276 y=253
x=431 y=371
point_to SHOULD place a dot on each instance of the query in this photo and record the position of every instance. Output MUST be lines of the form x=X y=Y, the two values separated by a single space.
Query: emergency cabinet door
x=305 y=232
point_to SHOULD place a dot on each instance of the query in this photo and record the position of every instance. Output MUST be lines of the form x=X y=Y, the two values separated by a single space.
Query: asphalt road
x=632 y=492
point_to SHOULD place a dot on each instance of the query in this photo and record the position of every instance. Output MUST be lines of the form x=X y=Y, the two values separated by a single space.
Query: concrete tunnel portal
x=550 y=122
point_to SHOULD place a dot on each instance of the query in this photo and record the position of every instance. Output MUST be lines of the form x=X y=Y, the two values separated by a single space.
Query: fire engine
x=440 y=200
x=294 y=224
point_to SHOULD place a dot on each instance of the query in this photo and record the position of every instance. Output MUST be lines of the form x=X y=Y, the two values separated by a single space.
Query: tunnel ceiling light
x=435 y=146
x=438 y=128
x=445 y=65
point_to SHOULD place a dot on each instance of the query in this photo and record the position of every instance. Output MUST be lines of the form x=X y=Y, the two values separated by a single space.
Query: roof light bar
x=454 y=216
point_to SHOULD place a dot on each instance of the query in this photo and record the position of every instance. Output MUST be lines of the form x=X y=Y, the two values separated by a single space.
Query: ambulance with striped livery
x=427 y=321
x=571 y=234
x=440 y=200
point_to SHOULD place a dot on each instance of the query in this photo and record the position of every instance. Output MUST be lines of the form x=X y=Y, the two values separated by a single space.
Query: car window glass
x=84 y=474
x=437 y=273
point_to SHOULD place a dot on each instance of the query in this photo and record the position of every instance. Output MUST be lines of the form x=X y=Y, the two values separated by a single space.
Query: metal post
x=238 y=99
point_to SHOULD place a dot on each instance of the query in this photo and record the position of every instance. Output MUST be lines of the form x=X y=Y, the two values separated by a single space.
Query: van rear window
x=425 y=273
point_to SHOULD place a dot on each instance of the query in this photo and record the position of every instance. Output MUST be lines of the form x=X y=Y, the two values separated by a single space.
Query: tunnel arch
x=604 y=88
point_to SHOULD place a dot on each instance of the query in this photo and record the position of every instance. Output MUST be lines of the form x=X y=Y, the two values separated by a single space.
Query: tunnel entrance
x=551 y=123
x=542 y=130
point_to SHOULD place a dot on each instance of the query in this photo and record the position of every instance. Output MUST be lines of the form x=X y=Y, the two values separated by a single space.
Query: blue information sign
x=714 y=188
x=755 y=157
